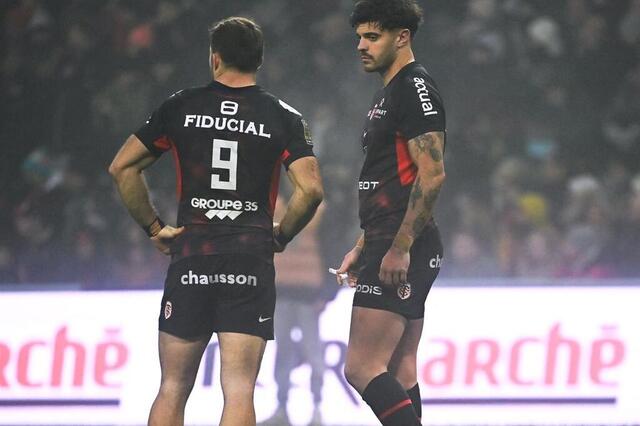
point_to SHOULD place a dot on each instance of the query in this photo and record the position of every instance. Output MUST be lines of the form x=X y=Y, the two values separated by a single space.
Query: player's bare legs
x=240 y=358
x=179 y=361
x=403 y=365
x=373 y=339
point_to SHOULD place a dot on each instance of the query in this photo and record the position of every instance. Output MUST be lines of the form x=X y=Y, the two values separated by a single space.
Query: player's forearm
x=300 y=210
x=135 y=195
x=360 y=243
x=420 y=209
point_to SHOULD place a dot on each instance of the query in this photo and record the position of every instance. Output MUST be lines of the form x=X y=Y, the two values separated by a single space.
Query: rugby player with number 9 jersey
x=229 y=140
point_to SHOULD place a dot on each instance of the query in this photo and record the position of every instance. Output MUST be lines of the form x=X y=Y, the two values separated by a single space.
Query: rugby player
x=229 y=140
x=396 y=260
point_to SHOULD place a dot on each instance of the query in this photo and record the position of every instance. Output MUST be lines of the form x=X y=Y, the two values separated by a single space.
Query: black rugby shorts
x=219 y=293
x=408 y=299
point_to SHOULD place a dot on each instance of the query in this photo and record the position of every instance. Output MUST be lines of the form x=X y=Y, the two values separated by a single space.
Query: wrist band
x=154 y=228
x=281 y=239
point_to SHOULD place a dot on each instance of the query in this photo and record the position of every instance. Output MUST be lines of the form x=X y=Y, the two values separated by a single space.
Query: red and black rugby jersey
x=229 y=145
x=408 y=106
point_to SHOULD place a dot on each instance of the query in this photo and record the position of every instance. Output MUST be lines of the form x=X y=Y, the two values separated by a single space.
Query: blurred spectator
x=621 y=126
x=582 y=254
x=539 y=258
x=584 y=191
x=589 y=231
x=627 y=235
x=469 y=259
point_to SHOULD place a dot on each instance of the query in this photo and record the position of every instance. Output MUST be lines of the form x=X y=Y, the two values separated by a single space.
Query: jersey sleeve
x=152 y=134
x=299 y=144
x=421 y=109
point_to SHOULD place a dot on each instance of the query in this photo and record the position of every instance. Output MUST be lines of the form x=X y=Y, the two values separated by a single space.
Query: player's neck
x=404 y=57
x=232 y=78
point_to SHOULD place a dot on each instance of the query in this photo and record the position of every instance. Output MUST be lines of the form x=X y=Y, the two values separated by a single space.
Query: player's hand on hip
x=348 y=262
x=278 y=246
x=163 y=239
x=394 y=267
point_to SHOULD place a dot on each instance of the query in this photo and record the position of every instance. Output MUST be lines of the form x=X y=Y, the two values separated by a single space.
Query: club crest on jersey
x=376 y=111
x=168 y=309
x=404 y=291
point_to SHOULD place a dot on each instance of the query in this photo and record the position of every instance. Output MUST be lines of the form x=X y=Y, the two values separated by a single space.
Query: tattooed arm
x=426 y=152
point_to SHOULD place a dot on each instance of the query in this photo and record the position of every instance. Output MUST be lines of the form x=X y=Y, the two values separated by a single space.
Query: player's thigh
x=240 y=358
x=403 y=361
x=180 y=358
x=373 y=338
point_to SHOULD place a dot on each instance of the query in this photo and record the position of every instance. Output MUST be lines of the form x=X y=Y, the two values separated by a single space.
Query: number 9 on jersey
x=224 y=157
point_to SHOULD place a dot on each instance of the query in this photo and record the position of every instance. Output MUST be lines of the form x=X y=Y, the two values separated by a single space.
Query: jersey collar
x=402 y=71
x=222 y=87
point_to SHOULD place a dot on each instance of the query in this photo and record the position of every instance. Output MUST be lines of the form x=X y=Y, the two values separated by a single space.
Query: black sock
x=390 y=402
x=416 y=400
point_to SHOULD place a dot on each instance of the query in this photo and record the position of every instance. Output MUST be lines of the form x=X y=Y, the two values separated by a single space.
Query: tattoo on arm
x=416 y=193
x=426 y=152
x=436 y=155
x=419 y=223
x=424 y=216
x=428 y=142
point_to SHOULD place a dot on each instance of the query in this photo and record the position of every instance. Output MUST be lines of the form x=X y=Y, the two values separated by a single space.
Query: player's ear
x=215 y=61
x=403 y=38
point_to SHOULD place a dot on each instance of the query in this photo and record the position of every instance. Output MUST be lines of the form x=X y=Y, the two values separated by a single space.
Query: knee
x=238 y=391
x=351 y=374
x=358 y=375
x=176 y=389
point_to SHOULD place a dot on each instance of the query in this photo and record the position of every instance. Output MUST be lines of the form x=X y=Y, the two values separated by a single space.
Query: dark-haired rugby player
x=398 y=257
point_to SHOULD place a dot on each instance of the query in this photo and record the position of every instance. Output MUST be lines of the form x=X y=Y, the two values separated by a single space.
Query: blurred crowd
x=542 y=97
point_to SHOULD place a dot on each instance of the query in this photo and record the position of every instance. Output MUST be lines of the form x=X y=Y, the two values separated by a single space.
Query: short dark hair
x=388 y=14
x=239 y=42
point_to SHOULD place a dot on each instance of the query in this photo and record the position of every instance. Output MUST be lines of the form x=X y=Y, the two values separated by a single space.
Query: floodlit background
x=541 y=203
